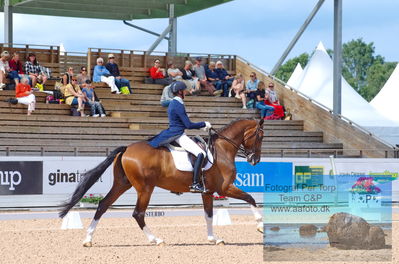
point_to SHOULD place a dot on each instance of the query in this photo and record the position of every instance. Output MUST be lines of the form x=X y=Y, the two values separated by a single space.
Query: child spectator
x=113 y=68
x=24 y=95
x=239 y=89
x=158 y=74
x=96 y=107
x=74 y=96
x=190 y=79
x=33 y=70
x=167 y=96
x=101 y=74
x=16 y=68
x=252 y=86
x=261 y=97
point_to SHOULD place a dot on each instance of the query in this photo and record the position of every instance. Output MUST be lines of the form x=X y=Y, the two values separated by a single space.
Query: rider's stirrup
x=197 y=188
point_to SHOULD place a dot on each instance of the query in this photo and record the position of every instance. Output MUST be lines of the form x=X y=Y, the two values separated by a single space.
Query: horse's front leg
x=233 y=192
x=208 y=208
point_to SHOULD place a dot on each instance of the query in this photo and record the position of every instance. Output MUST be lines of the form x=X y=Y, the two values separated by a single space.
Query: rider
x=178 y=122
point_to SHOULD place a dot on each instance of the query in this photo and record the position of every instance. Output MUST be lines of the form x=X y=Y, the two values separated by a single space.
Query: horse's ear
x=261 y=122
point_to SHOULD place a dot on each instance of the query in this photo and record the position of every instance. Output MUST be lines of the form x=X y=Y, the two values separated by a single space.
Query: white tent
x=295 y=76
x=386 y=101
x=316 y=81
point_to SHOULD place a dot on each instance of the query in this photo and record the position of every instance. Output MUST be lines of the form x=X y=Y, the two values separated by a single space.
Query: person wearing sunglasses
x=252 y=87
x=158 y=74
x=82 y=77
x=113 y=68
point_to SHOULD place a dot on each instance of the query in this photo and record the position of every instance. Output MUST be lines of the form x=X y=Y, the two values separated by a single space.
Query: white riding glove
x=207 y=126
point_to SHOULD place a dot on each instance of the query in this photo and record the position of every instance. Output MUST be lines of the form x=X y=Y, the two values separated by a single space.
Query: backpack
x=125 y=90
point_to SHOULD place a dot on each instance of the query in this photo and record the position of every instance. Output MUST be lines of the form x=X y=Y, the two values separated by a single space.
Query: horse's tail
x=89 y=179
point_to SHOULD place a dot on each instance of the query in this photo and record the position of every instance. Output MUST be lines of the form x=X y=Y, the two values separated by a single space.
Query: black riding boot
x=197 y=187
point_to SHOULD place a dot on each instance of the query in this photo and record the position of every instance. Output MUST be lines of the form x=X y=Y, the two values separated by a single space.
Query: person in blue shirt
x=113 y=69
x=178 y=122
x=213 y=78
x=224 y=77
x=101 y=74
x=252 y=87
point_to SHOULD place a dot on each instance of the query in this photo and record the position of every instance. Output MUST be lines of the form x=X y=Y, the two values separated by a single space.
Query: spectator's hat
x=5 y=53
x=177 y=86
x=198 y=58
x=111 y=56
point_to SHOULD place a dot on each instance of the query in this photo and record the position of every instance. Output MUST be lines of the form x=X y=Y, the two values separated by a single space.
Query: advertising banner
x=21 y=177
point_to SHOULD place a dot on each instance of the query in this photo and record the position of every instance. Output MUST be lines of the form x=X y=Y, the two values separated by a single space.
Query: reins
x=245 y=154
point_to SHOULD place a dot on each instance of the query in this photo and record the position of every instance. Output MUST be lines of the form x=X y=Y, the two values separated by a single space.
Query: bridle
x=246 y=154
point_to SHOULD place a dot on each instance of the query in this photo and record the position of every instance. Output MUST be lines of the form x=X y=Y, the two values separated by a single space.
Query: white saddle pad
x=182 y=162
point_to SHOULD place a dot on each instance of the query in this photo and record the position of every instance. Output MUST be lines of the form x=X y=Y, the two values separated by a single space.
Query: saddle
x=184 y=161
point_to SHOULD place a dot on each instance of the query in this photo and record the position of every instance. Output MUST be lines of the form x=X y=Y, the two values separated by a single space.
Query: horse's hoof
x=87 y=244
x=260 y=227
x=220 y=242
x=160 y=242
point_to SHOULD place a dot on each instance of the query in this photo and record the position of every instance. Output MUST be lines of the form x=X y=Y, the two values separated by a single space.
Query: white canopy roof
x=386 y=101
x=295 y=76
x=317 y=82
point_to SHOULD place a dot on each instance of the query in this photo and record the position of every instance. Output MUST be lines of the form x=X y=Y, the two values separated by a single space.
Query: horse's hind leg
x=208 y=208
x=121 y=184
x=143 y=199
x=233 y=192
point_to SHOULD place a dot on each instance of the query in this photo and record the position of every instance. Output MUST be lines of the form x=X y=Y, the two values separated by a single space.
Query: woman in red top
x=158 y=74
x=24 y=95
x=16 y=67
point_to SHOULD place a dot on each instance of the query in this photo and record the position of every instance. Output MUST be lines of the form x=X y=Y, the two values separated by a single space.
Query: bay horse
x=144 y=167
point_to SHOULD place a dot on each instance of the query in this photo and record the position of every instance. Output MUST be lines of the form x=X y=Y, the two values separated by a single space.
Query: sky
x=257 y=30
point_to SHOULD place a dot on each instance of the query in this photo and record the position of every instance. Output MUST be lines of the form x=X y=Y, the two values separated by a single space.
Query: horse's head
x=252 y=142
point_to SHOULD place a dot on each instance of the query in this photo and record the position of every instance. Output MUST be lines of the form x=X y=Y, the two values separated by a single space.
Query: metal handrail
x=350 y=122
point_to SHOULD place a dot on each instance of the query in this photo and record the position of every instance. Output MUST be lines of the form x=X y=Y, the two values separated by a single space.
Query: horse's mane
x=221 y=130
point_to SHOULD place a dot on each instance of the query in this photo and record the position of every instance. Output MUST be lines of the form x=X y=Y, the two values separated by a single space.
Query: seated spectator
x=96 y=107
x=16 y=68
x=74 y=96
x=67 y=77
x=4 y=68
x=261 y=97
x=24 y=95
x=158 y=74
x=174 y=72
x=226 y=78
x=190 y=79
x=82 y=77
x=272 y=100
x=252 y=86
x=204 y=83
x=33 y=70
x=238 y=87
x=213 y=78
x=101 y=74
x=113 y=68
x=167 y=96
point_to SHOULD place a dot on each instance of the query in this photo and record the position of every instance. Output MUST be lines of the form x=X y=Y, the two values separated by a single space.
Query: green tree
x=377 y=75
x=357 y=58
x=288 y=68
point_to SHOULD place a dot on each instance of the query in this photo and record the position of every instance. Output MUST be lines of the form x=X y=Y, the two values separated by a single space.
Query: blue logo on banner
x=255 y=178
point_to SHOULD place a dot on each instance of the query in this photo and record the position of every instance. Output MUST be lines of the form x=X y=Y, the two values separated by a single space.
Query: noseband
x=246 y=154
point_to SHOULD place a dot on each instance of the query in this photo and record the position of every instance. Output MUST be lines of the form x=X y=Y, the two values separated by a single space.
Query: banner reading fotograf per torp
x=21 y=177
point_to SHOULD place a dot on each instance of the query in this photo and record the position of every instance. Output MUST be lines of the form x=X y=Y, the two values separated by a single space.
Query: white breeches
x=111 y=82
x=29 y=100
x=185 y=142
